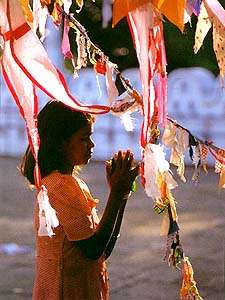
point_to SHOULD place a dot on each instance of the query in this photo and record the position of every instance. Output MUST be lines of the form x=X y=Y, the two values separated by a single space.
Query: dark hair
x=56 y=124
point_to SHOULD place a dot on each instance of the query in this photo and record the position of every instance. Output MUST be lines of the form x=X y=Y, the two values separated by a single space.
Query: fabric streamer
x=121 y=8
x=196 y=8
x=47 y=215
x=173 y=10
x=222 y=179
x=202 y=27
x=80 y=3
x=27 y=11
x=212 y=14
x=197 y=163
x=169 y=138
x=216 y=9
x=149 y=44
x=219 y=46
x=110 y=82
x=183 y=144
x=191 y=8
x=154 y=162
x=189 y=289
x=141 y=37
x=65 y=42
x=204 y=152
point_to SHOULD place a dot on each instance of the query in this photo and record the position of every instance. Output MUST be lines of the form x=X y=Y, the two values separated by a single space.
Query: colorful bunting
x=33 y=68
x=198 y=150
x=165 y=204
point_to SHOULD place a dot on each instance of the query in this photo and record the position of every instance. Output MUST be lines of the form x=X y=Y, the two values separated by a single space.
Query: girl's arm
x=116 y=232
x=120 y=182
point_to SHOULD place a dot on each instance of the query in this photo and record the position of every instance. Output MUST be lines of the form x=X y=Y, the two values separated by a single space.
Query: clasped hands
x=121 y=172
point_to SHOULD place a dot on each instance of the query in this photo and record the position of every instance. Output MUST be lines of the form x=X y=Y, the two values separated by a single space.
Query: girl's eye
x=85 y=138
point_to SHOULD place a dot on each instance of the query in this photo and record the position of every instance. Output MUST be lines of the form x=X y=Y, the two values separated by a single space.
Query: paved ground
x=136 y=267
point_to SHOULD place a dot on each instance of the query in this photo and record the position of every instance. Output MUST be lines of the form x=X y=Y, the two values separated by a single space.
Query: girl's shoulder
x=56 y=178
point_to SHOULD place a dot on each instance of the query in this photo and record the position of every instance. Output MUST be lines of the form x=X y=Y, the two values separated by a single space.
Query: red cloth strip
x=17 y=33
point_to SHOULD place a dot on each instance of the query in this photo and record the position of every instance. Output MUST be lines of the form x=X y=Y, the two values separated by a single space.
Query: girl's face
x=79 y=148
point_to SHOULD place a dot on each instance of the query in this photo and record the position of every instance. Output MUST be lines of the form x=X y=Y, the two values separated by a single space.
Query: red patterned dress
x=62 y=270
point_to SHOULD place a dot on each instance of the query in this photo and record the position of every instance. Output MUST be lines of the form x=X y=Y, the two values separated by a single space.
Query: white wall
x=195 y=100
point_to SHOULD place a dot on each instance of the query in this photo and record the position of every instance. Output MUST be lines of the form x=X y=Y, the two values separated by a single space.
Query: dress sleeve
x=72 y=207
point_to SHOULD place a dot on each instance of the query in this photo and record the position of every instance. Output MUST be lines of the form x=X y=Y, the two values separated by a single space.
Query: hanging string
x=130 y=89
x=209 y=144
x=129 y=86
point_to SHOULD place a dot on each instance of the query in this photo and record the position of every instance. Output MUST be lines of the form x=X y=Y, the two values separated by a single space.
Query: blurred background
x=196 y=99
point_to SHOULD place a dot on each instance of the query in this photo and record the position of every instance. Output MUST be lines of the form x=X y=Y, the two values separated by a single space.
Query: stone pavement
x=136 y=267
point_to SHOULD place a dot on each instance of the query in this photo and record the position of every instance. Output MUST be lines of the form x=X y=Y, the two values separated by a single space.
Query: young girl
x=70 y=265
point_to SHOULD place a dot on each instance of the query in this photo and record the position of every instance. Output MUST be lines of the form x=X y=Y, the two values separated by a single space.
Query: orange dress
x=62 y=270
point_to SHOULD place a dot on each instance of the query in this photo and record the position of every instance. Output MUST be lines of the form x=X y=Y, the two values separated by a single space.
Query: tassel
x=177 y=253
x=173 y=223
x=169 y=242
x=222 y=180
x=100 y=66
x=65 y=48
x=197 y=163
x=80 y=3
x=189 y=289
x=123 y=108
x=119 y=85
x=170 y=140
x=154 y=162
x=219 y=159
x=81 y=52
x=110 y=83
x=171 y=182
x=47 y=215
x=192 y=142
x=204 y=152
x=165 y=227
x=183 y=143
